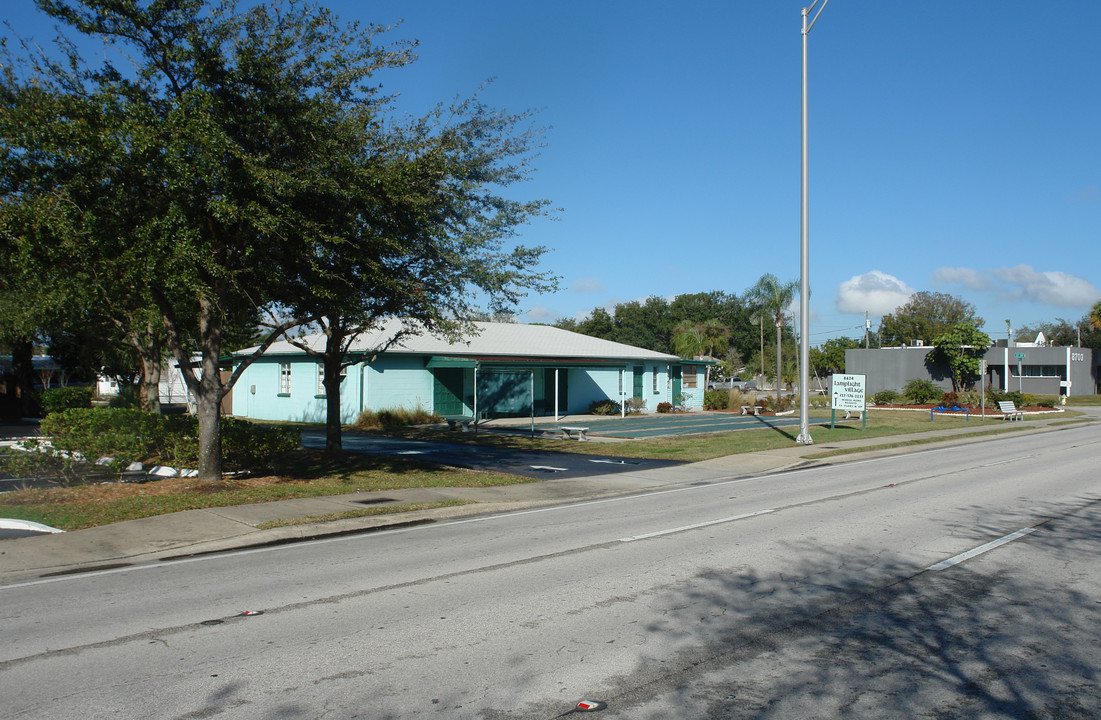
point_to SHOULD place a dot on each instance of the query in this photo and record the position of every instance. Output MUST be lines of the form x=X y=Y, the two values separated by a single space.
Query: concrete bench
x=746 y=409
x=1009 y=411
x=454 y=423
x=568 y=430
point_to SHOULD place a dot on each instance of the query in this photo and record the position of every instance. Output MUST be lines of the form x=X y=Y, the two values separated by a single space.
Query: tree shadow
x=824 y=640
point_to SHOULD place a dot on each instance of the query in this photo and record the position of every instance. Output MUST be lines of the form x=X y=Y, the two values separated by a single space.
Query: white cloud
x=875 y=292
x=1023 y=283
x=587 y=285
x=1050 y=286
x=968 y=278
x=541 y=314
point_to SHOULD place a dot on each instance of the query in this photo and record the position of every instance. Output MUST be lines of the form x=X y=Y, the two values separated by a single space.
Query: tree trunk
x=333 y=360
x=22 y=361
x=151 y=385
x=148 y=349
x=210 y=436
x=207 y=388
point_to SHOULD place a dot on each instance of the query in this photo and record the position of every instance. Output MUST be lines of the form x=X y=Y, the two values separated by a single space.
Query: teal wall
x=397 y=381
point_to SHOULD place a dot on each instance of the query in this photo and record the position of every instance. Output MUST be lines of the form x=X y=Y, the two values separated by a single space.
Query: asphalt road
x=536 y=464
x=832 y=592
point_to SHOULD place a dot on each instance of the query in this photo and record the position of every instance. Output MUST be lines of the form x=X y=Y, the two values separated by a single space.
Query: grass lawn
x=306 y=474
x=309 y=473
x=693 y=448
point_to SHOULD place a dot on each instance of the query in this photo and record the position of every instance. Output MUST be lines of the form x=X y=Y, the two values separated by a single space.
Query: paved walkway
x=221 y=529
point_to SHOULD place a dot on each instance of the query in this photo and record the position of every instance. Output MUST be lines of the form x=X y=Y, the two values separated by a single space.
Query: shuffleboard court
x=684 y=424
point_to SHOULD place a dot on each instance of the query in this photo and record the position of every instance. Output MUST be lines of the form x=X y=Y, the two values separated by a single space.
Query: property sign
x=1019 y=356
x=847 y=393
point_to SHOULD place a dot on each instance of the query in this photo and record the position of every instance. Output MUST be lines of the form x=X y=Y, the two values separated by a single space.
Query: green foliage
x=59 y=399
x=249 y=154
x=770 y=298
x=83 y=436
x=886 y=397
x=962 y=348
x=949 y=400
x=635 y=405
x=652 y=323
x=921 y=391
x=829 y=357
x=924 y=317
x=716 y=399
x=127 y=397
x=664 y=407
x=604 y=407
x=969 y=398
x=251 y=448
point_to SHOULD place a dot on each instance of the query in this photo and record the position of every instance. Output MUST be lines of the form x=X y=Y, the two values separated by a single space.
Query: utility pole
x=804 y=247
x=867 y=327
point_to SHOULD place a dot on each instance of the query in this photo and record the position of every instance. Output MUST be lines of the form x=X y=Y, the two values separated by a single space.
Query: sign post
x=847 y=393
x=1020 y=379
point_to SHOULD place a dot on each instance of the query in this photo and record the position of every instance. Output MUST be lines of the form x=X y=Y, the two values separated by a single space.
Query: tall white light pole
x=804 y=264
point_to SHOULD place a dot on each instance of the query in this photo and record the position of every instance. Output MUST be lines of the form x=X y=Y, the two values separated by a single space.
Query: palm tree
x=772 y=297
x=704 y=338
x=1095 y=316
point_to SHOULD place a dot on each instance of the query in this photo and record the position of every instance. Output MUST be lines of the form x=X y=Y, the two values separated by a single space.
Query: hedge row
x=125 y=436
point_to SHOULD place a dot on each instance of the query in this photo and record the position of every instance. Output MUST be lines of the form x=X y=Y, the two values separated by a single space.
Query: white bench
x=1009 y=410
x=568 y=430
x=459 y=422
x=755 y=408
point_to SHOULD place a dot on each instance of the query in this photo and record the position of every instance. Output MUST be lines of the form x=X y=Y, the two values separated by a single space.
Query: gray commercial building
x=1025 y=368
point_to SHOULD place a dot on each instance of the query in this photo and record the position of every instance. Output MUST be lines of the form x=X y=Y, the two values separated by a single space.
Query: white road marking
x=957 y=559
x=1003 y=462
x=682 y=528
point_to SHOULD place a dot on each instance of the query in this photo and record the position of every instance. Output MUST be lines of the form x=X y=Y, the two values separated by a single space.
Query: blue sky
x=955 y=146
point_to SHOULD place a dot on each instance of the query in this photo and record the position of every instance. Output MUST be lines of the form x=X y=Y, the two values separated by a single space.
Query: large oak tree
x=245 y=164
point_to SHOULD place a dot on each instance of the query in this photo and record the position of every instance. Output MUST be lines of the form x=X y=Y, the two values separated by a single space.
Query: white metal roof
x=506 y=340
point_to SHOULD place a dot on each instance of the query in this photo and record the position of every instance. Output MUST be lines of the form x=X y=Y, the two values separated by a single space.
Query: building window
x=689 y=376
x=284 y=378
x=1038 y=371
x=655 y=379
x=321 y=378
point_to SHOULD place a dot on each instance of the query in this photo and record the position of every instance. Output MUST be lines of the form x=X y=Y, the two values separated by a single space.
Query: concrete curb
x=225 y=529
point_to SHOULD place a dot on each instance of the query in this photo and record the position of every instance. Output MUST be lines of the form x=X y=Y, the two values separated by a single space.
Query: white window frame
x=284 y=378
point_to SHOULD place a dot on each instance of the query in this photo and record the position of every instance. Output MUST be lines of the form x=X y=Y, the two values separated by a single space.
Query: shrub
x=81 y=436
x=248 y=447
x=395 y=417
x=128 y=397
x=949 y=400
x=921 y=391
x=886 y=397
x=969 y=398
x=65 y=398
x=665 y=407
x=635 y=405
x=91 y=434
x=604 y=407
x=716 y=399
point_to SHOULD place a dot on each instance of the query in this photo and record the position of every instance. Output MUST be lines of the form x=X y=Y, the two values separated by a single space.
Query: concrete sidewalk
x=228 y=528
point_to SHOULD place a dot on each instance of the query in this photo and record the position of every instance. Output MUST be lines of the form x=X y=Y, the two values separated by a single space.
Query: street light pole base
x=804 y=439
